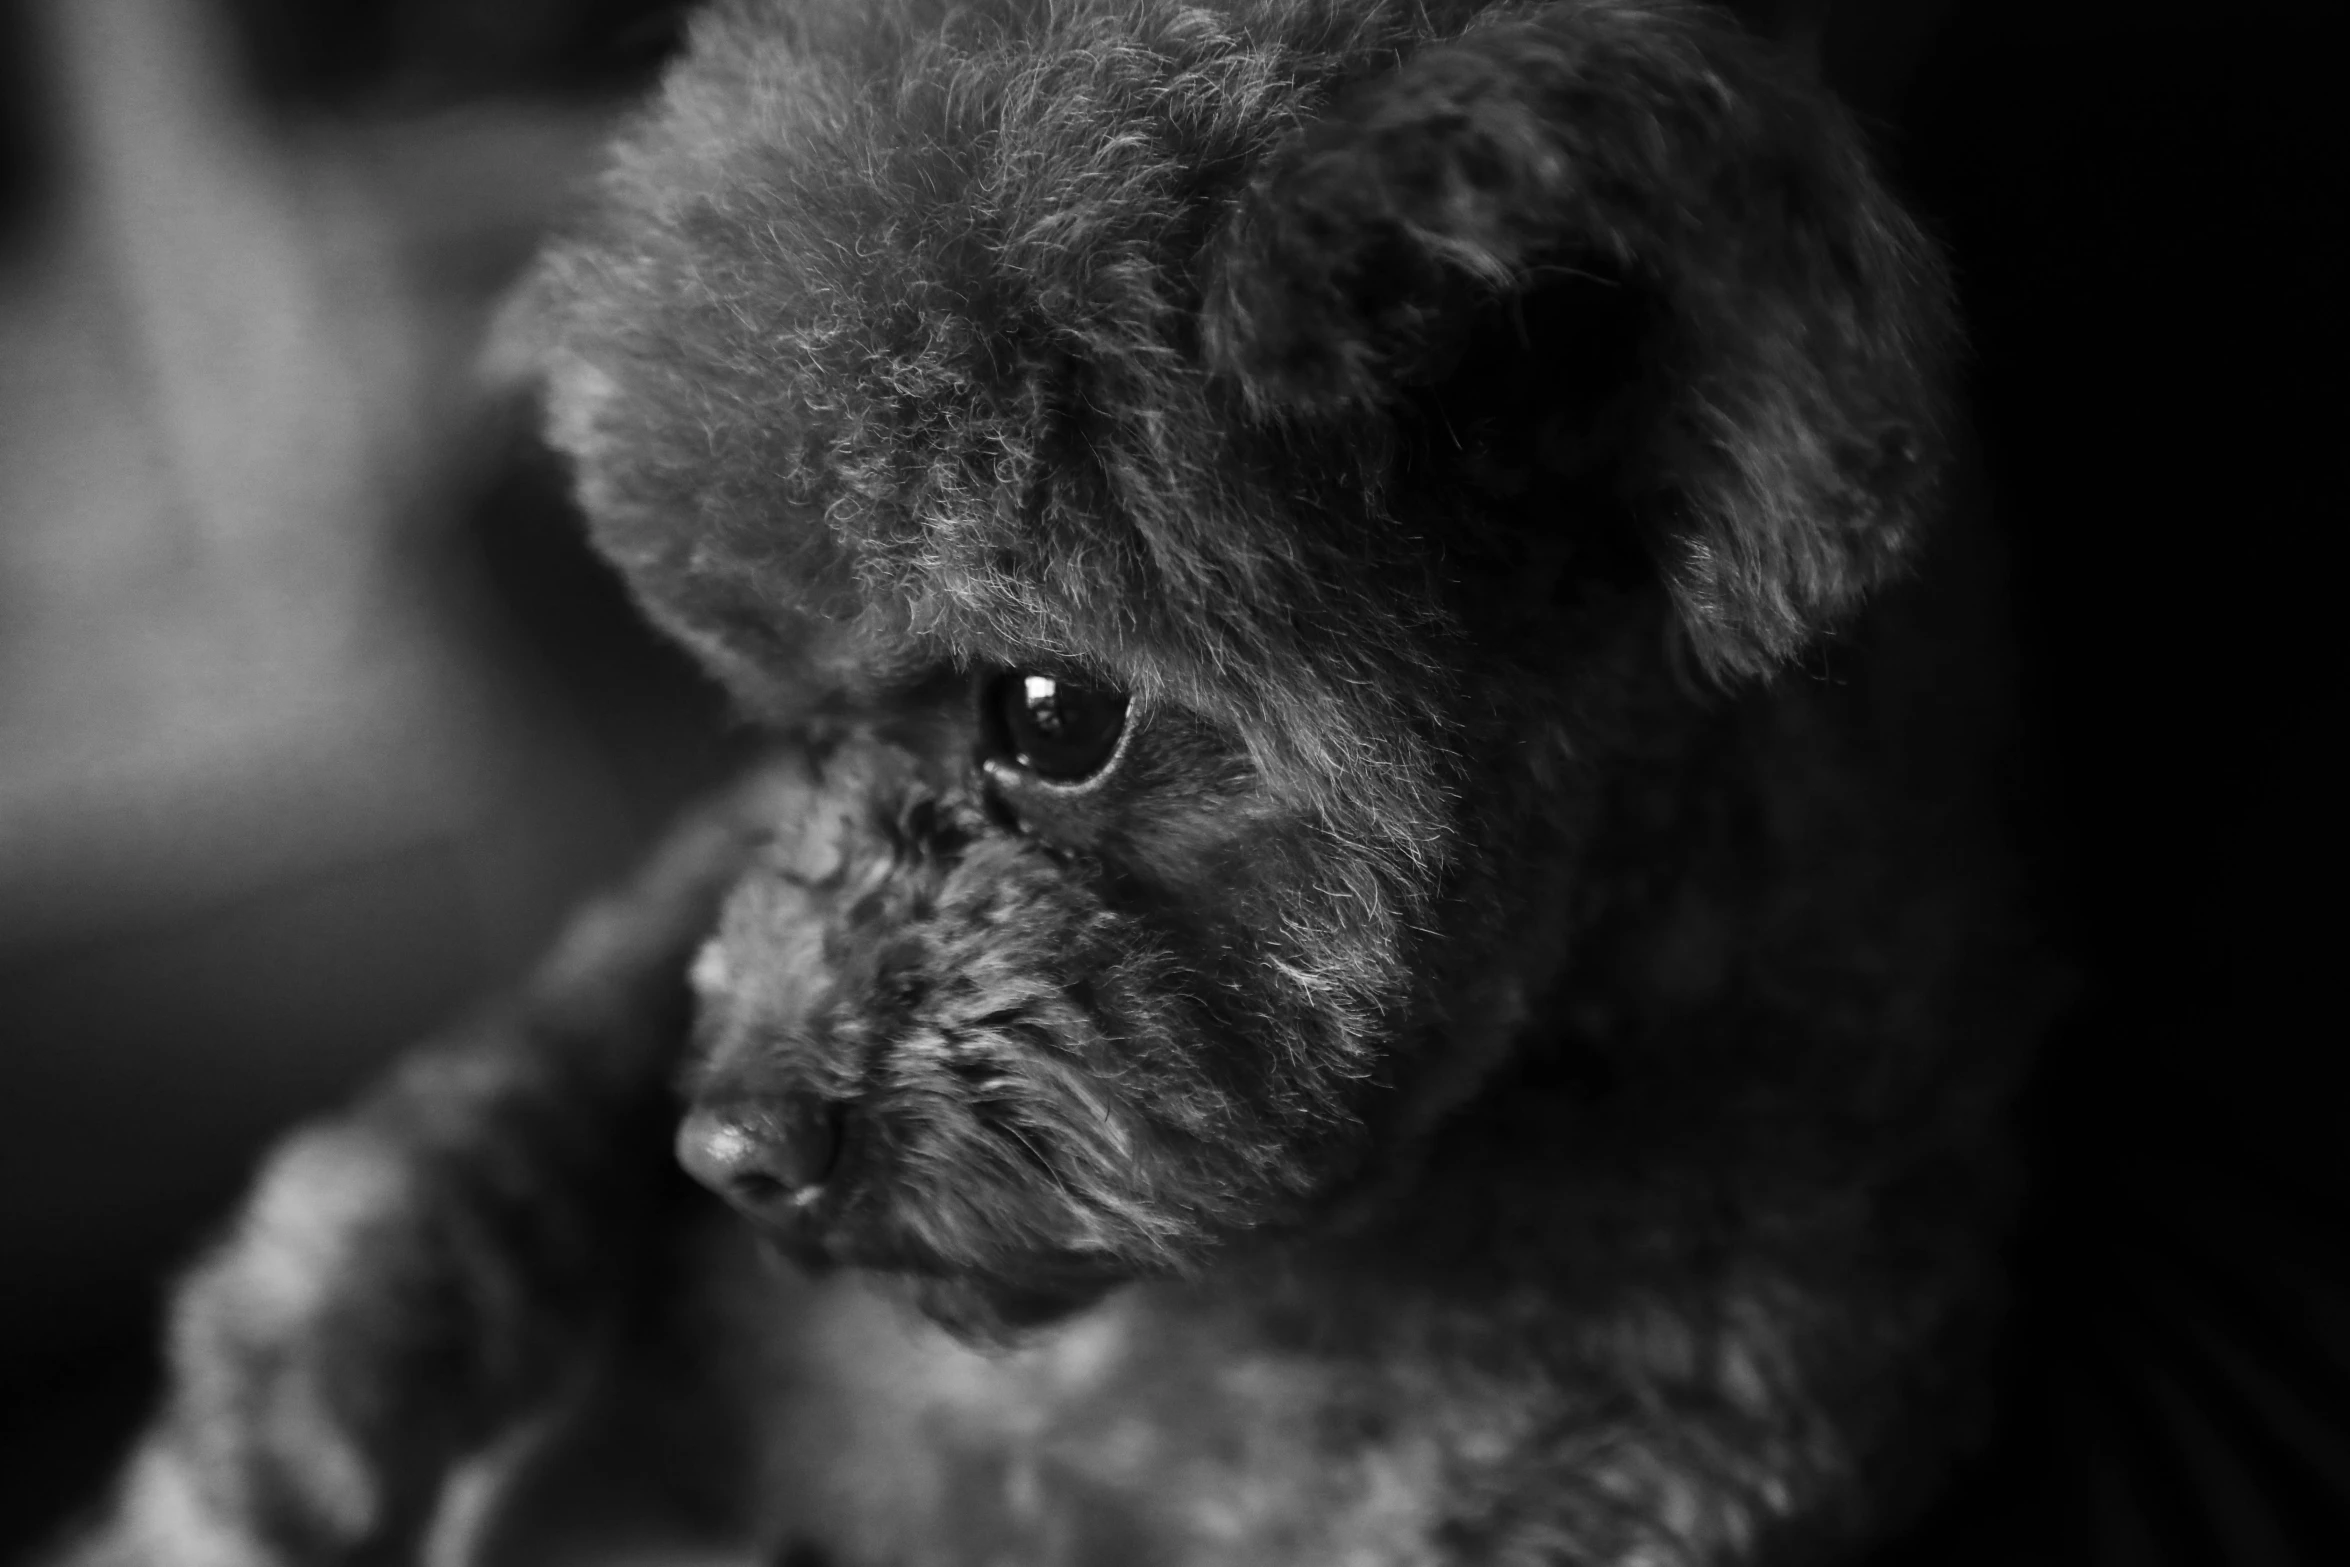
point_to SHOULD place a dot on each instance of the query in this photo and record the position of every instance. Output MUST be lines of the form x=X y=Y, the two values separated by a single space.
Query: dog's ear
x=1771 y=390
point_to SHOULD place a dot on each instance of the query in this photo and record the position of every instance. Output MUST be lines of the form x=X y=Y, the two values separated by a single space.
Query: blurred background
x=315 y=714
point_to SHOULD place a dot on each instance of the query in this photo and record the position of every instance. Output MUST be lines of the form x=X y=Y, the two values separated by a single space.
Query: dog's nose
x=762 y=1155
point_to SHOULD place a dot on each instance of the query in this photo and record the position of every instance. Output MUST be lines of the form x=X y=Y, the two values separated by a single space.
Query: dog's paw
x=410 y=1284
x=305 y=1354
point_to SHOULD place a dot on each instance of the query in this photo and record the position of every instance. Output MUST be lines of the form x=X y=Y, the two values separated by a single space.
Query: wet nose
x=772 y=1153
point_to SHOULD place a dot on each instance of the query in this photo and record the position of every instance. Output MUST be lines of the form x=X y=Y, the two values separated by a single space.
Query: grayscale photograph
x=1170 y=783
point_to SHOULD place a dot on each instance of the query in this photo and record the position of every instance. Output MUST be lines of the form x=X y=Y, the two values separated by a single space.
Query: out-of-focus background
x=315 y=714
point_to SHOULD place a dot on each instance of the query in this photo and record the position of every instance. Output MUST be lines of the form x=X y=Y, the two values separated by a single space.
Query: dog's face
x=1203 y=501
x=1026 y=995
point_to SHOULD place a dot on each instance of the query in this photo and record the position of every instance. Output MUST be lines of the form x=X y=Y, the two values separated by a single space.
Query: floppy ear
x=1777 y=421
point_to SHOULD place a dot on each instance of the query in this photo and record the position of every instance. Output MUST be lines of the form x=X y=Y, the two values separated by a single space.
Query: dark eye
x=1062 y=730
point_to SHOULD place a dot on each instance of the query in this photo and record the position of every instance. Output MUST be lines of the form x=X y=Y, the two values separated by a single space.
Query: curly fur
x=1486 y=1075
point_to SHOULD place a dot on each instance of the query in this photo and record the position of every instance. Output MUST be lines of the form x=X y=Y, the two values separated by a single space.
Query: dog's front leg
x=413 y=1279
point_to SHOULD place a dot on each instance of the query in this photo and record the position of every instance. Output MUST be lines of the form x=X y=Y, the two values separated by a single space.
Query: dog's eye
x=1062 y=730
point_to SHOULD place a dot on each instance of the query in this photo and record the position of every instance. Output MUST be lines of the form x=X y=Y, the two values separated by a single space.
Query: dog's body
x=1295 y=991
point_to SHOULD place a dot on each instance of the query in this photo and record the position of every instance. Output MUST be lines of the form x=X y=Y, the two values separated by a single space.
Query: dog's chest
x=1148 y=1434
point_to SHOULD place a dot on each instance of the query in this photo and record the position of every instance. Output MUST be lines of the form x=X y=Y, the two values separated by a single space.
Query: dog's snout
x=773 y=1154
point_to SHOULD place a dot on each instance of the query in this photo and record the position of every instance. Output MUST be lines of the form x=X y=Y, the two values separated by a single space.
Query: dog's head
x=1205 y=490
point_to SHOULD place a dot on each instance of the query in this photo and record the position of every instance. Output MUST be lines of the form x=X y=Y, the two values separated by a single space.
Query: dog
x=1377 y=932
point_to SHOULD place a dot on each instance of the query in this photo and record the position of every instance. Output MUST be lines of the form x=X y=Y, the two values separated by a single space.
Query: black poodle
x=1377 y=934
